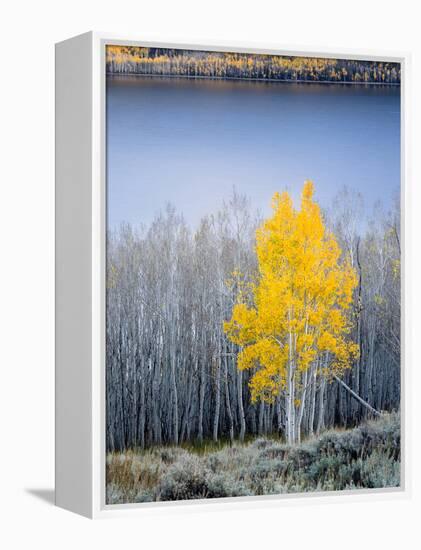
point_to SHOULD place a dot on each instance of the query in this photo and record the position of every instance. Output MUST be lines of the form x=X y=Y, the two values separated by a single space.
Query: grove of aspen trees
x=245 y=326
x=192 y=63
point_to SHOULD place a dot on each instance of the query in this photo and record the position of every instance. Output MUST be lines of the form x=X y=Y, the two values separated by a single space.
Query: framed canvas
x=229 y=275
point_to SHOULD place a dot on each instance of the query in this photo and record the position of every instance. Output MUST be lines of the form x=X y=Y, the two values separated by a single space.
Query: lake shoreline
x=281 y=81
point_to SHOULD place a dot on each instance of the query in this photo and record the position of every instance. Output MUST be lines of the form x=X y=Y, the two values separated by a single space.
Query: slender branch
x=356 y=396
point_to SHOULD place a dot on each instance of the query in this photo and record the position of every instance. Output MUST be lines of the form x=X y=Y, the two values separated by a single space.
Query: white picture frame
x=80 y=278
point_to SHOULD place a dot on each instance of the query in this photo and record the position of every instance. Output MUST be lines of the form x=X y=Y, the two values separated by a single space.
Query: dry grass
x=366 y=457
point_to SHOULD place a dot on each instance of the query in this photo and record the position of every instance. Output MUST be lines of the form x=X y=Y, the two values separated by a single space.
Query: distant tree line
x=171 y=371
x=192 y=63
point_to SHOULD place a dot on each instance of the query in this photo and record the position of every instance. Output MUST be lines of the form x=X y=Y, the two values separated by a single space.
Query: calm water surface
x=189 y=141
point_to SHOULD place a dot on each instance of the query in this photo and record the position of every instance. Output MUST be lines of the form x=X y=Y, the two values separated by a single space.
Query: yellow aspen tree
x=293 y=319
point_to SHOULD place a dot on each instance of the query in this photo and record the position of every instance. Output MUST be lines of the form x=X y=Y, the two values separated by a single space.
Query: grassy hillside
x=365 y=457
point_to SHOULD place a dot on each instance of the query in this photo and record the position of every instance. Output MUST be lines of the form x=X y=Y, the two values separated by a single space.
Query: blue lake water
x=189 y=141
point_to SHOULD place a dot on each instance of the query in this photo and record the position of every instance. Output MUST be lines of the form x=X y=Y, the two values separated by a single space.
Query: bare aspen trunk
x=156 y=401
x=358 y=366
x=321 y=415
x=142 y=409
x=370 y=367
x=278 y=414
x=313 y=400
x=269 y=418
x=357 y=397
x=175 y=401
x=293 y=411
x=290 y=408
x=201 y=400
x=241 y=405
x=185 y=428
x=261 y=417
x=172 y=358
x=217 y=399
x=228 y=400
x=302 y=406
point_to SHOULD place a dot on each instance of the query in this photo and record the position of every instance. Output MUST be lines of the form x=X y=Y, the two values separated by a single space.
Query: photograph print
x=253 y=274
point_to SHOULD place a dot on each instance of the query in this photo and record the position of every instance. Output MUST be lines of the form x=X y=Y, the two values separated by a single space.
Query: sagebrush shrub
x=185 y=479
x=223 y=485
x=367 y=456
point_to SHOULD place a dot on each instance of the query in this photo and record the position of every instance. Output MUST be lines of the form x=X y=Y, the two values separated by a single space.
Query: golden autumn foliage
x=295 y=313
x=179 y=62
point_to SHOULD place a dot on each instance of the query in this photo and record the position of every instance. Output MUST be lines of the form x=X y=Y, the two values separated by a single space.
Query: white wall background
x=29 y=30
